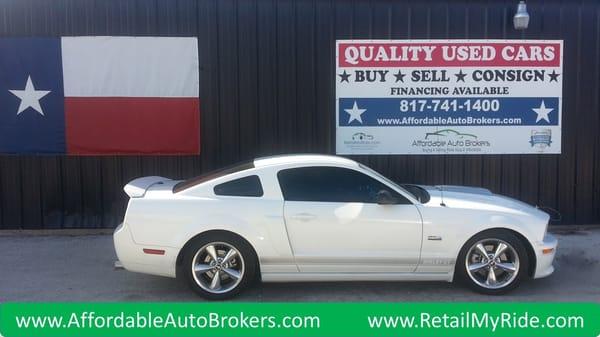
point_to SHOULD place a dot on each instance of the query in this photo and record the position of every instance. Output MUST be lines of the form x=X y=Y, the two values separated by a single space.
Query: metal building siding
x=267 y=86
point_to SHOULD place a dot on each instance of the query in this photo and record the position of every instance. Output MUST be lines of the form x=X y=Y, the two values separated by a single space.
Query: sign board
x=448 y=96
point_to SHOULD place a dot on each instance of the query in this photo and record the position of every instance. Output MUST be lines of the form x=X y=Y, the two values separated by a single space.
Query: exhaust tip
x=118 y=265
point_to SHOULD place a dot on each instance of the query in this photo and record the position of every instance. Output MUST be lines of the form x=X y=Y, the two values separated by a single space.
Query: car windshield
x=388 y=180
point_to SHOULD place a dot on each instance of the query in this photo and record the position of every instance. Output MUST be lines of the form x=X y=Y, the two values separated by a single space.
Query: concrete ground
x=80 y=268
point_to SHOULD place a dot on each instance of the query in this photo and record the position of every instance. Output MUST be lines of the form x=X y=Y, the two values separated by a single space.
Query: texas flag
x=99 y=95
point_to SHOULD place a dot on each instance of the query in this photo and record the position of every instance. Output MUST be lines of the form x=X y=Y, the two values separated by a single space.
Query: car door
x=334 y=223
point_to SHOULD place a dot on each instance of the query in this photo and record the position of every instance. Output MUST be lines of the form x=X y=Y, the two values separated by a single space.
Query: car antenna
x=441 y=187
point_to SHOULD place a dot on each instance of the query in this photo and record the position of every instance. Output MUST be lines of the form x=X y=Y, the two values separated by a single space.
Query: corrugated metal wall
x=267 y=86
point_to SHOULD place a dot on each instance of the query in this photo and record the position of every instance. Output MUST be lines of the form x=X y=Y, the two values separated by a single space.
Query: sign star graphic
x=400 y=76
x=355 y=113
x=542 y=113
x=30 y=98
x=344 y=77
x=553 y=76
x=460 y=76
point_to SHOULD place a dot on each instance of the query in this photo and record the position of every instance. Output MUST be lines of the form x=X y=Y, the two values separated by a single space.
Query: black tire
x=249 y=261
x=504 y=236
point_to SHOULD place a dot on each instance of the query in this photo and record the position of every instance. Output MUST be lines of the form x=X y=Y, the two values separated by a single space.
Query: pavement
x=81 y=268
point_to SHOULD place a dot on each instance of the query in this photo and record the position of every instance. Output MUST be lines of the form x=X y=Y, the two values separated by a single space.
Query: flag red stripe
x=132 y=125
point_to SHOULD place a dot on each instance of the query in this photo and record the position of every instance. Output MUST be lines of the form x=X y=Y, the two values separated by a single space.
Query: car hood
x=477 y=198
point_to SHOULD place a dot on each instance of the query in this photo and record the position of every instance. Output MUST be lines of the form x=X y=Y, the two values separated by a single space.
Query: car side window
x=331 y=184
x=249 y=186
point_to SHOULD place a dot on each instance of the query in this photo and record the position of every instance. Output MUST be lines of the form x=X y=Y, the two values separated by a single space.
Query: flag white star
x=542 y=113
x=30 y=97
x=355 y=113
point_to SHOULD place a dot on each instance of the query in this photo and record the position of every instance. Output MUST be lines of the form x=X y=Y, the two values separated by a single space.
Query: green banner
x=300 y=319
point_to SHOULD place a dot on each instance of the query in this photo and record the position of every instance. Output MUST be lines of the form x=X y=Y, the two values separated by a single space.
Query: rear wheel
x=219 y=265
x=493 y=262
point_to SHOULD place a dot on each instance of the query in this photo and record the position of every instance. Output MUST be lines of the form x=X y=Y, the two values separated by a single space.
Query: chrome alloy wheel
x=492 y=263
x=218 y=267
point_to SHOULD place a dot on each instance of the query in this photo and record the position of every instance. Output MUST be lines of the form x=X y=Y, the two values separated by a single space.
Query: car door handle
x=303 y=216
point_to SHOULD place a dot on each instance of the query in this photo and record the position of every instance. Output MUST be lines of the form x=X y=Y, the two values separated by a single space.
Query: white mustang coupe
x=326 y=218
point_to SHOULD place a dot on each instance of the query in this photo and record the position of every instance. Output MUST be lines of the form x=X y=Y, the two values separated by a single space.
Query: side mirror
x=384 y=197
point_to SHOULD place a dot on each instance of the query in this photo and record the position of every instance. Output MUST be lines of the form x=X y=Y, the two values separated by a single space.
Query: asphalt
x=81 y=268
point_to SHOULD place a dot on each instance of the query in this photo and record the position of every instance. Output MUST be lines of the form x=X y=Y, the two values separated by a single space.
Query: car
x=297 y=218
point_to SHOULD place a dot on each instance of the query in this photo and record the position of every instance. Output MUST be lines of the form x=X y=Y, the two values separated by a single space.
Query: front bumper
x=545 y=252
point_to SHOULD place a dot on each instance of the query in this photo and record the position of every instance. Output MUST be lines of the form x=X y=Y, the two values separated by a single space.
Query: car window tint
x=181 y=186
x=249 y=186
x=331 y=184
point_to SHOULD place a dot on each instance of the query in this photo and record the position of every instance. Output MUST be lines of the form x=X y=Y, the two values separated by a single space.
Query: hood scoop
x=464 y=189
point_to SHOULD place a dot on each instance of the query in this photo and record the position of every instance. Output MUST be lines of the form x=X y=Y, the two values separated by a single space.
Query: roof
x=319 y=159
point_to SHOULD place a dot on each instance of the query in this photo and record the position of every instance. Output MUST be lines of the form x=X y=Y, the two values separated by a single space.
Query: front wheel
x=219 y=266
x=493 y=262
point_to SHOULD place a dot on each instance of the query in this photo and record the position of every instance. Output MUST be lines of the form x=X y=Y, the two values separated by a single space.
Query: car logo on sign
x=361 y=136
x=450 y=133
x=541 y=139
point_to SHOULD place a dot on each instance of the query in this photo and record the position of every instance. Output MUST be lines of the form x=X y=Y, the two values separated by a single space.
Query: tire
x=509 y=267
x=216 y=279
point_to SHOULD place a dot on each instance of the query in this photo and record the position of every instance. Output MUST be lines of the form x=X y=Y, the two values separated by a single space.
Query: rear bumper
x=545 y=252
x=133 y=257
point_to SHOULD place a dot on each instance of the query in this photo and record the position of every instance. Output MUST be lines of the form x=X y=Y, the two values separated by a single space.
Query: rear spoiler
x=137 y=188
